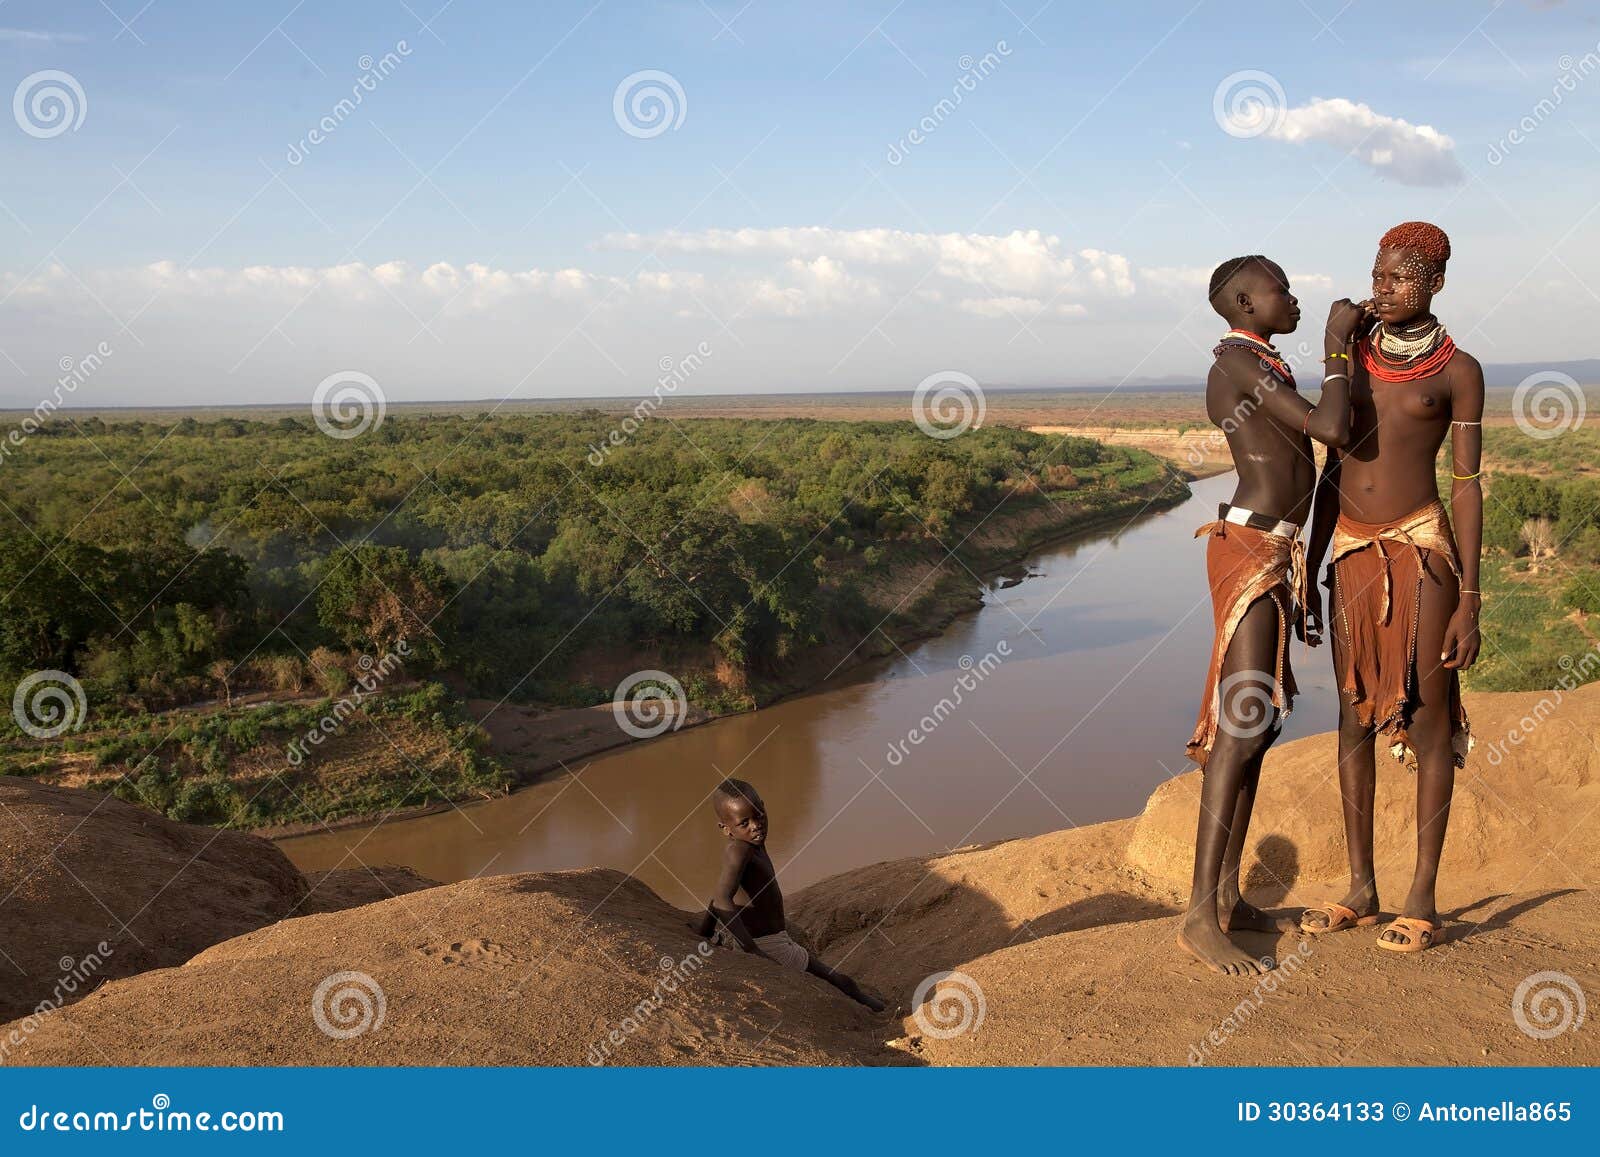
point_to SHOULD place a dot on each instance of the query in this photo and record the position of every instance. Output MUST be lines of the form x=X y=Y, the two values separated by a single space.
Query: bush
x=211 y=800
x=1583 y=593
x=328 y=671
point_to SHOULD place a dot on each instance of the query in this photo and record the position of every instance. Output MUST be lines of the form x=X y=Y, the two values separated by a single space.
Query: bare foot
x=1363 y=901
x=1203 y=939
x=1243 y=917
x=1417 y=908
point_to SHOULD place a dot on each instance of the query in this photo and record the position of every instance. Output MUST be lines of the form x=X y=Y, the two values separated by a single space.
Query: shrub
x=1583 y=593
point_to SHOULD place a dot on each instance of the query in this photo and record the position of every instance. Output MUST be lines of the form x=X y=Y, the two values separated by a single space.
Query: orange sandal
x=1339 y=918
x=1419 y=934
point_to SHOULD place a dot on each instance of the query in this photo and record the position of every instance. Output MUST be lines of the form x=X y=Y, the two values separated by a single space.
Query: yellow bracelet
x=1330 y=357
x=1464 y=477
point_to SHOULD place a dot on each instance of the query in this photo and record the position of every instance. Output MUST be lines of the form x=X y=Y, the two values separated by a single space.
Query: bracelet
x=1478 y=593
x=1464 y=477
x=1330 y=357
x=1326 y=378
x=1305 y=427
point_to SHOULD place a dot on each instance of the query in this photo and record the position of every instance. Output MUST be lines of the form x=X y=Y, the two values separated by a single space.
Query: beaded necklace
x=1393 y=357
x=1260 y=346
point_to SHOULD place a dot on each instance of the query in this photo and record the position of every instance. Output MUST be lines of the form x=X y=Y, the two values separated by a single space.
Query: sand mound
x=529 y=969
x=1513 y=801
x=341 y=888
x=78 y=868
x=889 y=925
x=1122 y=995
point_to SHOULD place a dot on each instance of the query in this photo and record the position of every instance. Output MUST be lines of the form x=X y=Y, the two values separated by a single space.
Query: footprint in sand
x=470 y=953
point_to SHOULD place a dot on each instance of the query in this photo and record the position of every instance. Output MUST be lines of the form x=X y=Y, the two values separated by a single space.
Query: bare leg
x=843 y=983
x=1234 y=913
x=706 y=924
x=1358 y=779
x=1241 y=741
x=1430 y=738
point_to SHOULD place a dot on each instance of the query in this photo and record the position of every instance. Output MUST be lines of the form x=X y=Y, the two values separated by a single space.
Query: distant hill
x=1496 y=376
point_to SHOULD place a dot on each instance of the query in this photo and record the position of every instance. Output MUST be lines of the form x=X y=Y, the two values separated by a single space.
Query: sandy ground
x=1061 y=947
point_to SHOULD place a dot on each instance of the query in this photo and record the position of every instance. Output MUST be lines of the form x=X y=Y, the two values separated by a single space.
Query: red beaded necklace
x=1378 y=364
x=1244 y=339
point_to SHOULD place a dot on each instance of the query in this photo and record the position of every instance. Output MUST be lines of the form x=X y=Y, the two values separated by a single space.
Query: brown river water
x=1066 y=699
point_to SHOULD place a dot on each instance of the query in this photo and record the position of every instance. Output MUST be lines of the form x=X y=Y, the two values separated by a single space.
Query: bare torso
x=762 y=910
x=1277 y=471
x=1396 y=429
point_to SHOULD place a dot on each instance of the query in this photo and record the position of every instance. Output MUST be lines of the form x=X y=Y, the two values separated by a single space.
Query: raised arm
x=1329 y=420
x=734 y=859
x=1466 y=505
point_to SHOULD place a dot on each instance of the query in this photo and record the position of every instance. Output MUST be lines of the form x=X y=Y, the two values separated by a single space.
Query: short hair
x=730 y=789
x=1426 y=240
x=1226 y=272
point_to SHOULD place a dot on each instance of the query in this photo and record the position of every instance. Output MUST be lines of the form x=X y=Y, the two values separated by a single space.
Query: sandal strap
x=1413 y=928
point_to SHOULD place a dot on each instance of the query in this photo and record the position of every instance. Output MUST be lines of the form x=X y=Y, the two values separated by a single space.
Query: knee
x=1351 y=729
x=1428 y=728
x=1240 y=744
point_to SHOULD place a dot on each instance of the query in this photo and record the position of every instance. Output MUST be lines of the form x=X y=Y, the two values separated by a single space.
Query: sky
x=229 y=203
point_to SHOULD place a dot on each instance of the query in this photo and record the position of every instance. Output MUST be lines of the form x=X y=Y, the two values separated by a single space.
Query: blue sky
x=481 y=224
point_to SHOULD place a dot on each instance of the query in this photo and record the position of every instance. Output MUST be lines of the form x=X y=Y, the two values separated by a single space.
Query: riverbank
x=932 y=591
x=1055 y=949
x=401 y=748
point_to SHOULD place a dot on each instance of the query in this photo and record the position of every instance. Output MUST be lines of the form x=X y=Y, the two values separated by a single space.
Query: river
x=1081 y=687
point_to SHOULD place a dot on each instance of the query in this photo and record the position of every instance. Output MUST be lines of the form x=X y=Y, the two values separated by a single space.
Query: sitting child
x=758 y=925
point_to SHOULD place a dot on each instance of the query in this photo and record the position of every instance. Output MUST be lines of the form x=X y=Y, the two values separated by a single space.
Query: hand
x=1310 y=631
x=1345 y=317
x=1461 y=636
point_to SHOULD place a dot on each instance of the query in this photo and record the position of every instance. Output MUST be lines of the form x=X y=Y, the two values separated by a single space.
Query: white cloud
x=1391 y=147
x=34 y=36
x=1020 y=309
x=811 y=308
x=1022 y=262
